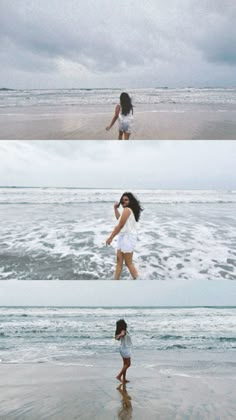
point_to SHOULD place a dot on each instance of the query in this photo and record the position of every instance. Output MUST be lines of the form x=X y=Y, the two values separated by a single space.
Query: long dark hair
x=134 y=204
x=126 y=104
x=120 y=326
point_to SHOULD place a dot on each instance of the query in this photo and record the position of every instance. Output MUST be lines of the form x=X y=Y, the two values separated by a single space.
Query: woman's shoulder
x=127 y=210
x=131 y=211
x=117 y=109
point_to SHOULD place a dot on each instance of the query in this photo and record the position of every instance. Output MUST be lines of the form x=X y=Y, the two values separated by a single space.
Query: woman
x=124 y=114
x=123 y=336
x=127 y=233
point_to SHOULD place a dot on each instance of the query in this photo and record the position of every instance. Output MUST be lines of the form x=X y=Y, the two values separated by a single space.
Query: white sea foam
x=81 y=335
x=186 y=234
x=83 y=195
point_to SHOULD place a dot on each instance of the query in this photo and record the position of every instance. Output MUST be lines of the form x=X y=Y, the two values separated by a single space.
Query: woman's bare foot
x=119 y=378
x=125 y=381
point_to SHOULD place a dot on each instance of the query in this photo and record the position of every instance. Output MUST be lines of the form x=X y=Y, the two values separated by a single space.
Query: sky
x=123 y=44
x=169 y=164
x=104 y=293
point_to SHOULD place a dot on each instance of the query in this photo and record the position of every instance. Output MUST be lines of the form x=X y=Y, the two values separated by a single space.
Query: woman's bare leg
x=126 y=136
x=126 y=365
x=130 y=265
x=119 y=264
x=120 y=137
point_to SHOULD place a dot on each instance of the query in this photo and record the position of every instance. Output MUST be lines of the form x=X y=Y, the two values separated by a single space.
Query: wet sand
x=152 y=122
x=73 y=391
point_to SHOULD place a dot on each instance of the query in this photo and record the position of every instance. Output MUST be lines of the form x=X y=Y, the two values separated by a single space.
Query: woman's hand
x=122 y=334
x=108 y=241
x=108 y=128
x=116 y=205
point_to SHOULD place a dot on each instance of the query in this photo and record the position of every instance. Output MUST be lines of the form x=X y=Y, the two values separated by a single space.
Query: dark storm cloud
x=216 y=34
x=220 y=46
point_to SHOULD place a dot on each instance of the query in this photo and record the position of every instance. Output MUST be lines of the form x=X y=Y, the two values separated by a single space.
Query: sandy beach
x=88 y=122
x=184 y=386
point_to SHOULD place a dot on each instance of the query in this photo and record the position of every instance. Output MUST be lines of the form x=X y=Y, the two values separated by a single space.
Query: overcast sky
x=110 y=43
x=104 y=293
x=170 y=164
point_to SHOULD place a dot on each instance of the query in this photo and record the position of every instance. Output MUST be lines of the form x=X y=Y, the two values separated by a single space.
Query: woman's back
x=126 y=341
x=127 y=118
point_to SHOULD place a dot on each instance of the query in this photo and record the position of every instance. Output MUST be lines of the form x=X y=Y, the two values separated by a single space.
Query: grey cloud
x=220 y=46
x=13 y=56
x=101 y=47
x=109 y=43
x=140 y=41
x=216 y=33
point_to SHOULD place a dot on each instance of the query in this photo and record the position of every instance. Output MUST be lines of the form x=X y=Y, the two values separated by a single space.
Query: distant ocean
x=70 y=97
x=82 y=335
x=60 y=233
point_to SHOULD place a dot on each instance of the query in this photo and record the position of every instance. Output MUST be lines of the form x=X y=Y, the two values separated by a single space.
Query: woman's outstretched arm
x=116 y=115
x=124 y=217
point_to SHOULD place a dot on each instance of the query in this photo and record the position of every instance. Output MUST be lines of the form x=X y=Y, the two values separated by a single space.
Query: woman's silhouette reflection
x=125 y=412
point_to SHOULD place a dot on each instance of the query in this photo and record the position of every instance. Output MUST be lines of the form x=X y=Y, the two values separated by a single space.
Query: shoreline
x=168 y=389
x=88 y=122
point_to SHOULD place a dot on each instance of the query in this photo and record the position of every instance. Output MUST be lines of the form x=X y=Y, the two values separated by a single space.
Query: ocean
x=67 y=335
x=163 y=96
x=60 y=233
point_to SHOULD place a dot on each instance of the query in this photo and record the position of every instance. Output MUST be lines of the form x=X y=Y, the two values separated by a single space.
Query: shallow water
x=78 y=335
x=55 y=233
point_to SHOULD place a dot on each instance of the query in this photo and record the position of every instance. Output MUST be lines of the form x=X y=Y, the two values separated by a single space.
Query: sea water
x=153 y=96
x=83 y=335
x=60 y=233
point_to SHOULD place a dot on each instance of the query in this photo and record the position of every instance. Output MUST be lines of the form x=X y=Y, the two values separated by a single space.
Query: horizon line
x=117 y=188
x=122 y=88
x=118 y=307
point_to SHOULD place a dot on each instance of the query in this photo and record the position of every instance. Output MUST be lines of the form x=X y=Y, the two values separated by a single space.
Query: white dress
x=125 y=346
x=126 y=122
x=127 y=238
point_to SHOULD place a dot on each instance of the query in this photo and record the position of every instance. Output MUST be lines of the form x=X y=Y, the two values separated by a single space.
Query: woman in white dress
x=127 y=233
x=123 y=336
x=124 y=114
